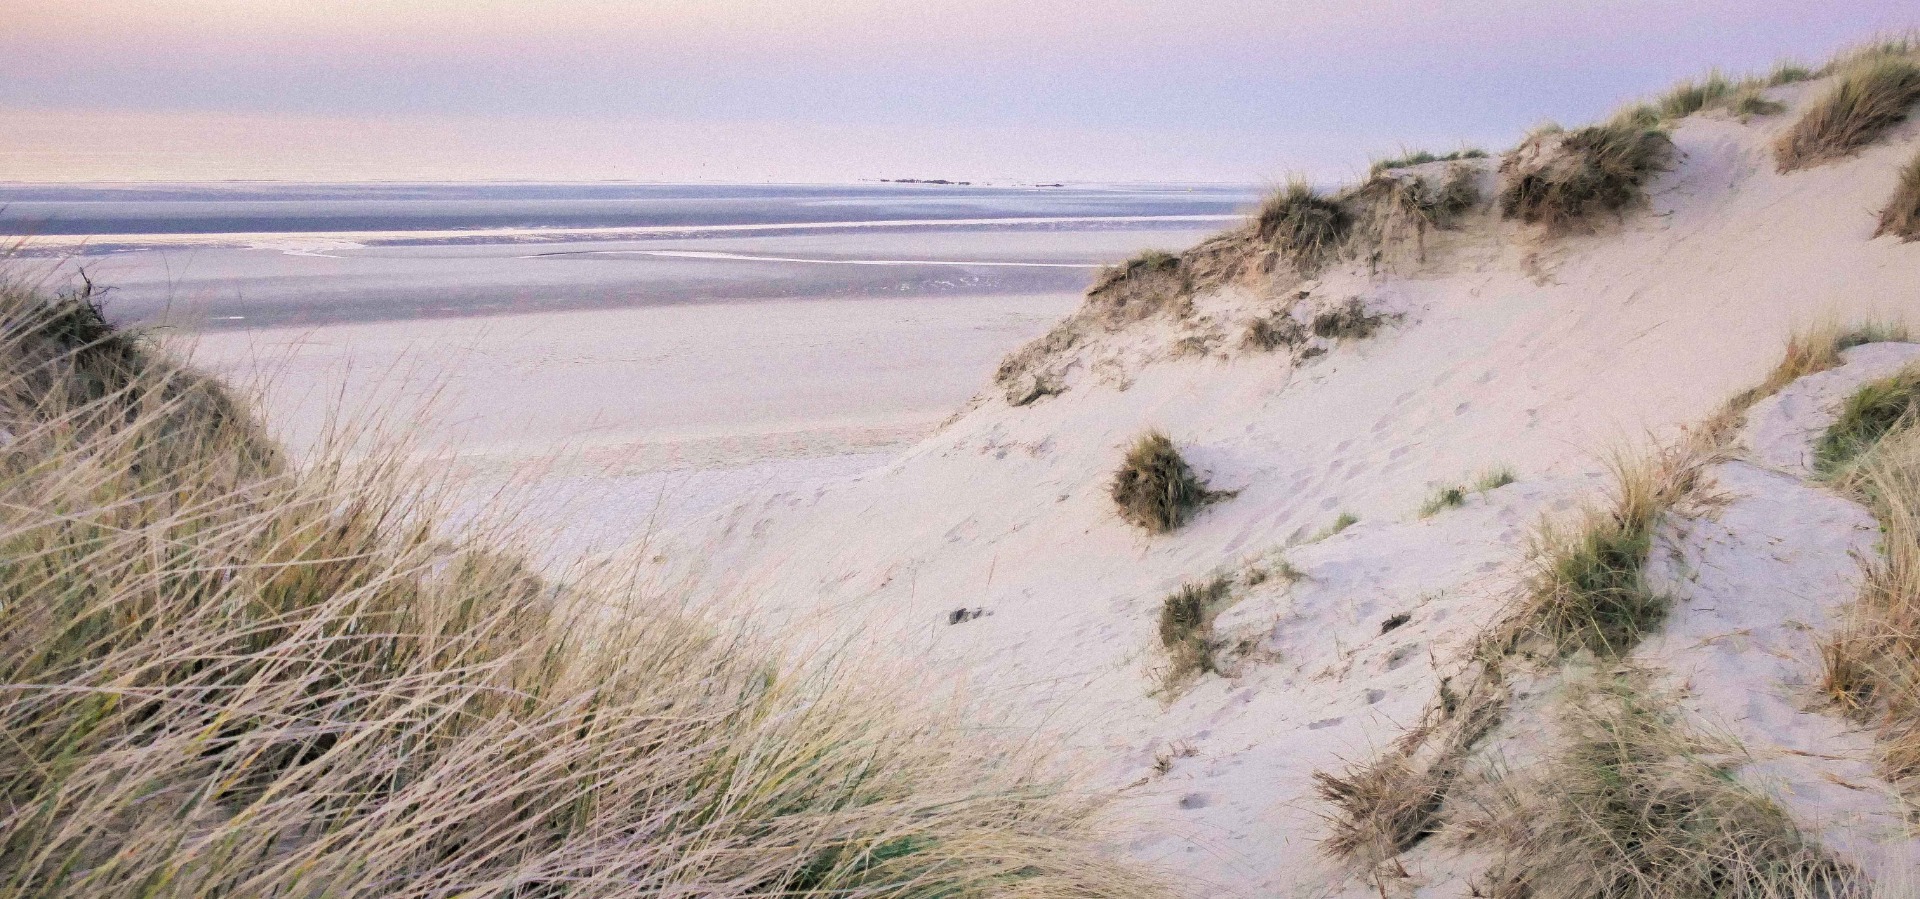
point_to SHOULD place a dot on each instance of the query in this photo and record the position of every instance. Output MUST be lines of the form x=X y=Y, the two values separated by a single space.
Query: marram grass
x=225 y=675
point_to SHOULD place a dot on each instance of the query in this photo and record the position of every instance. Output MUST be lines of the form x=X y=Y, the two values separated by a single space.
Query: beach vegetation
x=1867 y=417
x=1870 y=97
x=1408 y=159
x=1599 y=169
x=230 y=675
x=1689 y=97
x=1186 y=628
x=1872 y=662
x=1347 y=321
x=1587 y=588
x=1271 y=332
x=1304 y=225
x=1155 y=489
x=1455 y=495
x=1152 y=283
x=1340 y=523
x=1901 y=216
x=1631 y=804
x=1788 y=72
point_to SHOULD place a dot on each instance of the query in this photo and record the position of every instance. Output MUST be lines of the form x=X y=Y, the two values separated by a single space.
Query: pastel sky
x=839 y=90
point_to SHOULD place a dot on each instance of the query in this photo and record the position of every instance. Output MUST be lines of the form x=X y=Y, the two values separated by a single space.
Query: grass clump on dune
x=230 y=676
x=1599 y=169
x=1303 y=224
x=1149 y=284
x=1872 y=665
x=1871 y=97
x=1690 y=97
x=1455 y=495
x=1422 y=157
x=1753 y=103
x=1788 y=72
x=1588 y=589
x=1346 y=321
x=1273 y=332
x=1901 y=216
x=1186 y=629
x=1389 y=805
x=1629 y=804
x=1156 y=489
x=1871 y=413
x=1391 y=209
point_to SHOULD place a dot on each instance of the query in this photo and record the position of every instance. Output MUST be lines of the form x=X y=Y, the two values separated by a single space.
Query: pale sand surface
x=635 y=418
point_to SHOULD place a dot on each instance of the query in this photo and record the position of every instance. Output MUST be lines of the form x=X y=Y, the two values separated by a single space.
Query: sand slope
x=1511 y=348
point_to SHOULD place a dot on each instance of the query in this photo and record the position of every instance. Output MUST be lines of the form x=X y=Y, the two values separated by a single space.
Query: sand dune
x=1502 y=345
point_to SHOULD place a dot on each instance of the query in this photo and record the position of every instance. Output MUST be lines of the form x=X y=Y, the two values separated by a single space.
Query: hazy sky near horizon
x=838 y=90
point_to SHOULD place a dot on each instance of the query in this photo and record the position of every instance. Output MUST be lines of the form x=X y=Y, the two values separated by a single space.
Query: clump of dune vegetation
x=230 y=675
x=1788 y=72
x=1272 y=332
x=1422 y=157
x=1812 y=350
x=1347 y=321
x=1340 y=523
x=1455 y=495
x=1901 y=216
x=1304 y=225
x=1186 y=628
x=1872 y=665
x=1871 y=413
x=1872 y=96
x=1753 y=103
x=1156 y=489
x=1588 y=588
x=1389 y=805
x=1631 y=804
x=1389 y=210
x=1690 y=97
x=1149 y=284
x=1560 y=181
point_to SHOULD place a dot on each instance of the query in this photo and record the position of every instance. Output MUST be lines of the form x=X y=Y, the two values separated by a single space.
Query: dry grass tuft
x=1149 y=284
x=1389 y=805
x=1156 y=489
x=1594 y=170
x=1305 y=226
x=1630 y=805
x=1389 y=210
x=226 y=676
x=1753 y=103
x=1186 y=629
x=1272 y=332
x=1869 y=415
x=1689 y=97
x=1340 y=523
x=1422 y=157
x=1347 y=321
x=1588 y=590
x=1815 y=349
x=1455 y=495
x=1873 y=663
x=1871 y=97
x=1381 y=810
x=1901 y=216
x=1788 y=72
